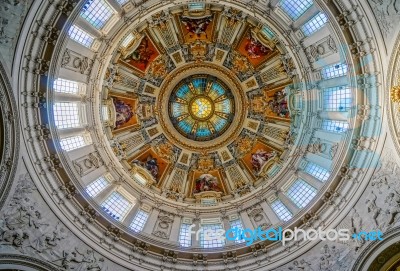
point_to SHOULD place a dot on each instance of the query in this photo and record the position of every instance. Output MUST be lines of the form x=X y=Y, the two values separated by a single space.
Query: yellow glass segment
x=201 y=108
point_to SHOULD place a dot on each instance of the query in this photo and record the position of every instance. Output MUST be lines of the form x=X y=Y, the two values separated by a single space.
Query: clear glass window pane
x=97 y=13
x=317 y=171
x=80 y=36
x=117 y=206
x=335 y=126
x=66 y=115
x=72 y=143
x=214 y=241
x=334 y=71
x=185 y=238
x=337 y=99
x=313 y=25
x=295 y=8
x=301 y=193
x=238 y=224
x=65 y=86
x=94 y=188
x=281 y=210
x=139 y=221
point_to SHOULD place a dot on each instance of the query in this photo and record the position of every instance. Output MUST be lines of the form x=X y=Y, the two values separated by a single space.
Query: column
x=334 y=82
x=246 y=220
x=81 y=152
x=95 y=174
x=151 y=221
x=131 y=214
x=67 y=97
x=176 y=225
x=115 y=5
x=103 y=195
x=310 y=180
x=288 y=203
x=85 y=25
x=334 y=115
x=227 y=226
x=273 y=3
x=313 y=10
x=270 y=213
x=68 y=132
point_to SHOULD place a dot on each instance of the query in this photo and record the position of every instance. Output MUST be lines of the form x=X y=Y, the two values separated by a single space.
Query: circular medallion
x=201 y=107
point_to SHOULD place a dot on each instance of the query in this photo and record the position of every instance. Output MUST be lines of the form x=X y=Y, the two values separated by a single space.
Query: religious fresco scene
x=125 y=112
x=140 y=57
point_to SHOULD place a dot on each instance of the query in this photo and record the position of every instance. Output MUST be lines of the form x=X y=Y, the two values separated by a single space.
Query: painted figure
x=142 y=54
x=279 y=105
x=124 y=112
x=206 y=182
x=197 y=26
x=151 y=164
x=259 y=158
x=254 y=48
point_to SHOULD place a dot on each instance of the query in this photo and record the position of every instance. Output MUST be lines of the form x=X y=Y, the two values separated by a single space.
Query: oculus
x=201 y=107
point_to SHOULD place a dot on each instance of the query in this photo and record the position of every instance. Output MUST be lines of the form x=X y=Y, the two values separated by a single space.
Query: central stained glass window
x=201 y=107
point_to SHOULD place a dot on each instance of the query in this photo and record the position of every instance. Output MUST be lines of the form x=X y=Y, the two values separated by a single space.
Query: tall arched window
x=295 y=8
x=67 y=114
x=301 y=193
x=97 y=13
x=314 y=24
x=281 y=210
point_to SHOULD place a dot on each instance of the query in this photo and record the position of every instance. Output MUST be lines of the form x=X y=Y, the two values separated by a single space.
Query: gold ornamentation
x=158 y=68
x=244 y=145
x=205 y=164
x=241 y=64
x=165 y=150
x=220 y=54
x=199 y=50
x=177 y=57
x=395 y=94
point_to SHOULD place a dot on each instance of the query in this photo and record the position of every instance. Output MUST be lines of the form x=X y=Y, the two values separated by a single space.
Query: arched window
x=80 y=36
x=67 y=115
x=295 y=8
x=337 y=99
x=185 y=238
x=139 y=221
x=301 y=193
x=117 y=206
x=314 y=24
x=317 y=171
x=334 y=71
x=237 y=223
x=281 y=210
x=72 y=143
x=67 y=86
x=97 y=13
x=95 y=187
x=335 y=126
x=211 y=230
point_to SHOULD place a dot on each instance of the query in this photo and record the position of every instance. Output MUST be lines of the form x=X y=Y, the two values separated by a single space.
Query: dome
x=146 y=123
